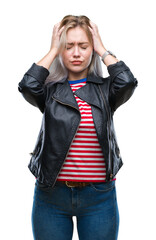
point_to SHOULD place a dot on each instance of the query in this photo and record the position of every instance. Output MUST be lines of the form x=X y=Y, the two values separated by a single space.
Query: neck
x=72 y=76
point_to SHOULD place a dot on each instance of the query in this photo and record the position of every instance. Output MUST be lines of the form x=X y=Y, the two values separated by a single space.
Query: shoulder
x=98 y=79
x=50 y=87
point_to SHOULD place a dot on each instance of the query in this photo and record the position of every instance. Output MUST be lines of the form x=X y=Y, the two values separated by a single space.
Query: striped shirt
x=85 y=161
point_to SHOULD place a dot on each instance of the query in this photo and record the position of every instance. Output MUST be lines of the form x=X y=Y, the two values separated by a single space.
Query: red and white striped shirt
x=85 y=161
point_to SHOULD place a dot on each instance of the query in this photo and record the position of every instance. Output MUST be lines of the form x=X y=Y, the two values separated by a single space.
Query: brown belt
x=75 y=184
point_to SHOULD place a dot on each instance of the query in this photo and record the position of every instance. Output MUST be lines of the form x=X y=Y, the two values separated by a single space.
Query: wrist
x=102 y=51
x=53 y=53
x=47 y=60
x=109 y=58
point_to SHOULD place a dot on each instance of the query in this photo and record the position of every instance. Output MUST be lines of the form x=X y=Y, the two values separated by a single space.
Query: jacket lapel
x=89 y=92
x=64 y=94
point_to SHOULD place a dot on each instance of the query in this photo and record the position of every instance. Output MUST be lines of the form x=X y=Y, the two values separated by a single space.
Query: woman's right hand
x=47 y=60
x=56 y=38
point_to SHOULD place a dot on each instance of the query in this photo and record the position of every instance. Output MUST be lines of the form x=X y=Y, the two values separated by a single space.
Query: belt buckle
x=68 y=185
x=76 y=184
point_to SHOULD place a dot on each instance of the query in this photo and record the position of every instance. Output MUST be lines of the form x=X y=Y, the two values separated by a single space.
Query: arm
x=123 y=82
x=122 y=86
x=99 y=47
x=32 y=85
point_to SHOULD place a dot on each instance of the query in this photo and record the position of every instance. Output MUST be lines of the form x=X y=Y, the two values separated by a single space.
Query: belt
x=75 y=184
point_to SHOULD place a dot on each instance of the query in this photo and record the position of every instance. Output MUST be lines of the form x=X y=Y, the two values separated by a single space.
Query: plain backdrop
x=128 y=29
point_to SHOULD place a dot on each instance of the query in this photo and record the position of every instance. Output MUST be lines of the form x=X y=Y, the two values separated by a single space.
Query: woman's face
x=77 y=54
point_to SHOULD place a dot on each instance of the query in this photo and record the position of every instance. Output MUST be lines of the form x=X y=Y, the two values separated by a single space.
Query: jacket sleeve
x=122 y=84
x=32 y=86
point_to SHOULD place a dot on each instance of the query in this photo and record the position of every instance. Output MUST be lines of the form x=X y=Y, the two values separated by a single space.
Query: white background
x=128 y=29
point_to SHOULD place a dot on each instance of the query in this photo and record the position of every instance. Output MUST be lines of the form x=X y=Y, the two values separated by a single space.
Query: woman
x=76 y=157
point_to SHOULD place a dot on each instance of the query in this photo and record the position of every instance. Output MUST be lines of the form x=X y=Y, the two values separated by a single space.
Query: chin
x=77 y=69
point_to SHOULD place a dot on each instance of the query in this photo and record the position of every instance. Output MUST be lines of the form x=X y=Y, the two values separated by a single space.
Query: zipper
x=111 y=175
x=72 y=138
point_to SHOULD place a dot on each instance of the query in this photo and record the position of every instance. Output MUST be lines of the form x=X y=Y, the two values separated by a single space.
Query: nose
x=76 y=52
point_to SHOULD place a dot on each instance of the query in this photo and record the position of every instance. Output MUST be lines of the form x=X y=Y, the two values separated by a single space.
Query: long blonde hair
x=57 y=69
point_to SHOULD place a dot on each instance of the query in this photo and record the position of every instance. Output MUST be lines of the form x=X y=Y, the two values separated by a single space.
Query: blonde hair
x=57 y=69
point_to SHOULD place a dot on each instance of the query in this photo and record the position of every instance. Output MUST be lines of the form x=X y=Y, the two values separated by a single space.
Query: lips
x=76 y=62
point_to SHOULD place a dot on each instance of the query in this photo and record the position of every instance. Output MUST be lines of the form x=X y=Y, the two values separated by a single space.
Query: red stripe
x=84 y=156
x=86 y=122
x=86 y=117
x=83 y=171
x=85 y=131
x=82 y=166
x=84 y=161
x=85 y=146
x=80 y=176
x=83 y=112
x=84 y=105
x=83 y=136
x=83 y=141
x=90 y=127
x=84 y=151
x=84 y=108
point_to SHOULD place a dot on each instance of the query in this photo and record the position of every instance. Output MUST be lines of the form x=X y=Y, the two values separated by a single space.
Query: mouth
x=76 y=62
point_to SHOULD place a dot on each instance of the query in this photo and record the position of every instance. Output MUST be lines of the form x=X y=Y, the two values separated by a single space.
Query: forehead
x=76 y=34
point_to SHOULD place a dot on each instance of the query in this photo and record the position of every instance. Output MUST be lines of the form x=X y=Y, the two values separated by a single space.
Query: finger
x=93 y=24
x=91 y=30
x=61 y=30
x=56 y=30
x=56 y=27
x=57 y=24
x=94 y=27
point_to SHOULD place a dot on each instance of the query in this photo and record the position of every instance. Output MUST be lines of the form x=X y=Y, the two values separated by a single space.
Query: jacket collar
x=90 y=78
x=94 y=79
x=88 y=93
x=64 y=94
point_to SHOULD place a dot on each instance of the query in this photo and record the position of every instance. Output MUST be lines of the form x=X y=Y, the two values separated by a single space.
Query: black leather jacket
x=61 y=116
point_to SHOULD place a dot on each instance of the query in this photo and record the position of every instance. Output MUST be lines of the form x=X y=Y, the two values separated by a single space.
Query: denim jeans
x=95 y=208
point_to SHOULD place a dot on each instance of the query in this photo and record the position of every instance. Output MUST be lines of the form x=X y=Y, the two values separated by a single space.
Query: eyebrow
x=80 y=43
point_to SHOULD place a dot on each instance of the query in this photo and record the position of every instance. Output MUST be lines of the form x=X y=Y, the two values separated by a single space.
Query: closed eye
x=69 y=46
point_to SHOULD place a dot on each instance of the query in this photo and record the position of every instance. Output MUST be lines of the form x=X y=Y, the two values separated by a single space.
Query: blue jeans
x=95 y=208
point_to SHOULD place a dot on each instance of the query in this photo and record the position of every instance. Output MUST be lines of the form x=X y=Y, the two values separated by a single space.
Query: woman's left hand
x=98 y=45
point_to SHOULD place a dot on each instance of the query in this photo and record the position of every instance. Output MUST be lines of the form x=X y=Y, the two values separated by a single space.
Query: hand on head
x=98 y=45
x=57 y=31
